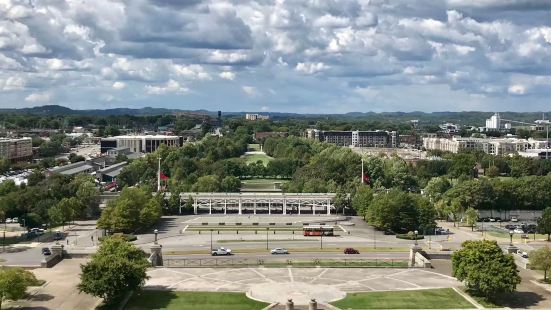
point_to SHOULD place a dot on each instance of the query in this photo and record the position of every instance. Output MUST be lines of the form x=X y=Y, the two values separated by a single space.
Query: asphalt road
x=319 y=255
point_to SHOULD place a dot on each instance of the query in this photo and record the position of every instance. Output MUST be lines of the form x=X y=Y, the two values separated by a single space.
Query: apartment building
x=500 y=146
x=255 y=117
x=376 y=138
x=16 y=149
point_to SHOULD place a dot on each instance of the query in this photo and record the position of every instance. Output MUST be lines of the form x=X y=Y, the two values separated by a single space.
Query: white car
x=9 y=220
x=518 y=231
x=279 y=251
x=15 y=220
x=221 y=251
x=514 y=219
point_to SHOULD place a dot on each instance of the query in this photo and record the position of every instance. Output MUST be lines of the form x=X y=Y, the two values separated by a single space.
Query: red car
x=351 y=251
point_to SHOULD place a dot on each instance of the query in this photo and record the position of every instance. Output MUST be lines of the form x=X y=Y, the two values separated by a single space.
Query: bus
x=317 y=230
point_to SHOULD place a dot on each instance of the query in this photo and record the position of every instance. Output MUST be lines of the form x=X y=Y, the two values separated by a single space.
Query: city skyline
x=282 y=56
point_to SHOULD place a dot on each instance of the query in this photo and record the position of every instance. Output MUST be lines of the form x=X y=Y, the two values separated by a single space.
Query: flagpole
x=362 y=177
x=159 y=176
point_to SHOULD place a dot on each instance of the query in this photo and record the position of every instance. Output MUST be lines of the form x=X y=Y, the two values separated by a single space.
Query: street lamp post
x=211 y=239
x=511 y=237
x=156 y=231
x=415 y=236
x=267 y=229
x=321 y=240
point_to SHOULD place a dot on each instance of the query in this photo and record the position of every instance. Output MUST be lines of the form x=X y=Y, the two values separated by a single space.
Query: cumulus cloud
x=490 y=51
x=310 y=68
x=250 y=91
x=517 y=89
x=227 y=75
x=171 y=86
x=119 y=85
x=38 y=97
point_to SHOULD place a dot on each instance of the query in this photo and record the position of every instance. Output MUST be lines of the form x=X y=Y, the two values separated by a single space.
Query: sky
x=302 y=56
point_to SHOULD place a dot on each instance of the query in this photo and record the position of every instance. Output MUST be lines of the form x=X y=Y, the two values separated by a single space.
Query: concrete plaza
x=300 y=284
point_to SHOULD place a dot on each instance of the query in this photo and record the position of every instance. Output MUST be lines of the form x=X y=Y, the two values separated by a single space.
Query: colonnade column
x=210 y=206
x=254 y=207
x=328 y=207
x=284 y=206
x=225 y=206
x=313 y=207
x=269 y=206
x=239 y=205
x=299 y=207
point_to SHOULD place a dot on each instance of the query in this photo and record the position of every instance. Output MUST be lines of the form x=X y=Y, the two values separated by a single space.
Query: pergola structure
x=253 y=203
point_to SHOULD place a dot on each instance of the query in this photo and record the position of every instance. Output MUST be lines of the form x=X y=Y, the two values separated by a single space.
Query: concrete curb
x=546 y=287
x=271 y=306
x=468 y=298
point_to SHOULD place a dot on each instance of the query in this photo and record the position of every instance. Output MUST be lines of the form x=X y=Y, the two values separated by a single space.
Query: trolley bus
x=317 y=230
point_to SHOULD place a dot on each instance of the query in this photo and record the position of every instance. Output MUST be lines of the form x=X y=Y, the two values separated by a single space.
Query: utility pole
x=159 y=176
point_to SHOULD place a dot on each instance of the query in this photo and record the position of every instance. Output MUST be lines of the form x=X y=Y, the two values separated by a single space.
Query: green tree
x=133 y=210
x=544 y=222
x=394 y=210
x=14 y=283
x=362 y=198
x=116 y=268
x=485 y=269
x=472 y=216
x=540 y=259
x=436 y=187
x=208 y=183
x=230 y=184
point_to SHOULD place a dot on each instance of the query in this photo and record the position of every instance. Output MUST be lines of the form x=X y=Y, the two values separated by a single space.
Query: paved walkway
x=60 y=290
x=301 y=284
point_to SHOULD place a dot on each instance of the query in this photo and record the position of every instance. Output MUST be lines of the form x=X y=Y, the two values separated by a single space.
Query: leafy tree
x=208 y=183
x=362 y=199
x=55 y=214
x=436 y=187
x=394 y=210
x=544 y=222
x=133 y=210
x=472 y=216
x=4 y=165
x=230 y=184
x=485 y=269
x=116 y=268
x=540 y=259
x=14 y=283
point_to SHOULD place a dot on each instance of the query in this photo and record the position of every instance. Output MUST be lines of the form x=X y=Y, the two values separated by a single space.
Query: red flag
x=163 y=177
x=366 y=179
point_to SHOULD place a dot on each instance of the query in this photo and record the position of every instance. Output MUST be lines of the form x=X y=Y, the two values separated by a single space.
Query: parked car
x=221 y=251
x=15 y=220
x=514 y=219
x=46 y=251
x=37 y=231
x=518 y=231
x=9 y=220
x=491 y=219
x=58 y=235
x=351 y=251
x=522 y=254
x=510 y=227
x=279 y=251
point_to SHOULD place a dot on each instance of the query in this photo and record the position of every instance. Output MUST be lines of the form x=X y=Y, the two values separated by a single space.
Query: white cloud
x=264 y=108
x=250 y=91
x=38 y=97
x=227 y=75
x=310 y=68
x=12 y=83
x=191 y=72
x=119 y=85
x=171 y=86
x=517 y=89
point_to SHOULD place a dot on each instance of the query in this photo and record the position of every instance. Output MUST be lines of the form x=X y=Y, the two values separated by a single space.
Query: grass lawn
x=192 y=301
x=253 y=147
x=445 y=298
x=253 y=158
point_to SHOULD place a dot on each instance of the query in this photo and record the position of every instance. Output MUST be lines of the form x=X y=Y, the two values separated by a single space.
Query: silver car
x=279 y=251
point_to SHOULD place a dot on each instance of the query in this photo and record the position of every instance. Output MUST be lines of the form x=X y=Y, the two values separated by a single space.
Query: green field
x=253 y=158
x=192 y=301
x=445 y=298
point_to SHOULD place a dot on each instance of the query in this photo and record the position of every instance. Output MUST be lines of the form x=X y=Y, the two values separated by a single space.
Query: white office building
x=139 y=143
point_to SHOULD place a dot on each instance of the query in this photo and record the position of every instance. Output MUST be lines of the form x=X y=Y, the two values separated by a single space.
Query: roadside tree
x=471 y=216
x=540 y=259
x=116 y=268
x=485 y=269
x=544 y=222
x=14 y=283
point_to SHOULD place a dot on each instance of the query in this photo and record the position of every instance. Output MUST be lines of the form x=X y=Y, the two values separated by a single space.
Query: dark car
x=351 y=251
x=46 y=251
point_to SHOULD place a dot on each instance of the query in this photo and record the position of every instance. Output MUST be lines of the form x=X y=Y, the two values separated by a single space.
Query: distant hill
x=51 y=110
